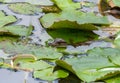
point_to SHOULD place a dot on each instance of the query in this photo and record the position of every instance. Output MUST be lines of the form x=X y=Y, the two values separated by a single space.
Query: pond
x=57 y=29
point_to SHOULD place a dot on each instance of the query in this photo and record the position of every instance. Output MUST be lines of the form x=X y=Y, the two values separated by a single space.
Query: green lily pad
x=72 y=36
x=6 y=1
x=2 y=14
x=117 y=40
x=16 y=30
x=39 y=52
x=24 y=8
x=66 y=4
x=105 y=52
x=49 y=74
x=47 y=53
x=40 y=2
x=8 y=38
x=115 y=59
x=35 y=2
x=115 y=79
x=72 y=19
x=5 y=20
x=37 y=65
x=90 y=68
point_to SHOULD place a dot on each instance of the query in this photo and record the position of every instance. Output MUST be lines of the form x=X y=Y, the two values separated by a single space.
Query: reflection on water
x=7 y=76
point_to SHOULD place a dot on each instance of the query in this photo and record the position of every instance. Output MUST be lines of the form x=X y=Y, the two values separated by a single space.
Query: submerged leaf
x=72 y=36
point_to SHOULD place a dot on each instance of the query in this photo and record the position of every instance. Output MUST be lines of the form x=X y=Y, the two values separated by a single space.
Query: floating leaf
x=2 y=14
x=105 y=52
x=37 y=65
x=6 y=1
x=4 y=38
x=4 y=20
x=72 y=19
x=16 y=30
x=117 y=40
x=39 y=52
x=66 y=4
x=49 y=74
x=115 y=59
x=39 y=2
x=35 y=2
x=90 y=68
x=47 y=53
x=24 y=8
x=115 y=79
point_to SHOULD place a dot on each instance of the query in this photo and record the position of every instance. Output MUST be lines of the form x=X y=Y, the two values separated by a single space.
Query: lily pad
x=105 y=52
x=35 y=2
x=117 y=40
x=47 y=53
x=39 y=52
x=90 y=68
x=16 y=30
x=4 y=38
x=72 y=19
x=25 y=8
x=66 y=4
x=5 y=20
x=37 y=65
x=6 y=1
x=115 y=59
x=115 y=79
x=50 y=75
x=40 y=2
